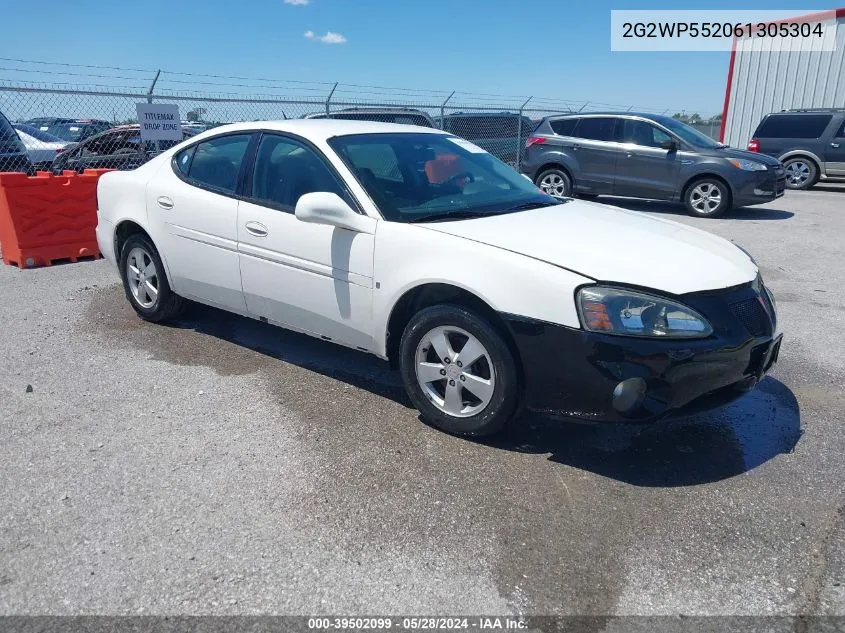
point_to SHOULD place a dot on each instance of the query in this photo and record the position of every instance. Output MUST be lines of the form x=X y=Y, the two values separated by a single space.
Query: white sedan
x=41 y=147
x=423 y=249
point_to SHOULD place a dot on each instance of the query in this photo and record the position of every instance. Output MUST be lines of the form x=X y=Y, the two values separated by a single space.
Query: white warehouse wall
x=797 y=75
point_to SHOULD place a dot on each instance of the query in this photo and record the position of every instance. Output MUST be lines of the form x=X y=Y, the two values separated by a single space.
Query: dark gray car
x=503 y=134
x=647 y=156
x=13 y=155
x=810 y=144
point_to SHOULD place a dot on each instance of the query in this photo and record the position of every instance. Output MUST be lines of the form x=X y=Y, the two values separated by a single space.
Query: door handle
x=256 y=228
x=834 y=144
x=630 y=154
x=576 y=147
x=165 y=203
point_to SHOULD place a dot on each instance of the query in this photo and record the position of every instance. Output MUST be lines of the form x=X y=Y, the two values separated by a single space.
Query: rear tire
x=707 y=198
x=555 y=182
x=145 y=281
x=477 y=394
x=801 y=173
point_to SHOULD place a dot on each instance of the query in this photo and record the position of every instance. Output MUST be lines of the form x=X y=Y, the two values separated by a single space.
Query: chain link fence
x=66 y=126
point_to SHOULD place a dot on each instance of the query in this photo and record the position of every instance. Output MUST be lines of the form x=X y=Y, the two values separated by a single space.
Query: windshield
x=72 y=132
x=688 y=134
x=424 y=177
x=37 y=134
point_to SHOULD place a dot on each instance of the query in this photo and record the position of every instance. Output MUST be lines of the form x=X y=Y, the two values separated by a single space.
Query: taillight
x=753 y=145
x=535 y=140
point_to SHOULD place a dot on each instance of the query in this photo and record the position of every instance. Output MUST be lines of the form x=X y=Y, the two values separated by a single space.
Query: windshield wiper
x=452 y=215
x=526 y=206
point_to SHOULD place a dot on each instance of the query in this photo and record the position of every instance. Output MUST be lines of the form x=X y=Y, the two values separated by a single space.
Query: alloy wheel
x=142 y=275
x=798 y=172
x=706 y=198
x=555 y=185
x=455 y=371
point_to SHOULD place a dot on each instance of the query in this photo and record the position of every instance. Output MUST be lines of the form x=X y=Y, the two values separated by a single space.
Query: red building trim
x=724 y=122
x=838 y=13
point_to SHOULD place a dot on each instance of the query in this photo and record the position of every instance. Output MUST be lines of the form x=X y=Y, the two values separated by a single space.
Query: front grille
x=753 y=316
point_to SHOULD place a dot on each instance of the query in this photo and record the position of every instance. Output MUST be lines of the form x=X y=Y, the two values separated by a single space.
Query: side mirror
x=671 y=145
x=322 y=207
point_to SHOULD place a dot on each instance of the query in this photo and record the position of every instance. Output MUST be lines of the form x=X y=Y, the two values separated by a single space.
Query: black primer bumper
x=573 y=373
x=758 y=187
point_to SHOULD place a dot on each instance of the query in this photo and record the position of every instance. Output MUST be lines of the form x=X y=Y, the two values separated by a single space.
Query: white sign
x=159 y=122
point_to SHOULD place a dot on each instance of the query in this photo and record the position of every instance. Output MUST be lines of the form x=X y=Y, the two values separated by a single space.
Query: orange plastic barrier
x=45 y=217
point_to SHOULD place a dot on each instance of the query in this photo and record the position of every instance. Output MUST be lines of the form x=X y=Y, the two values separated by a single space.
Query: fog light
x=628 y=395
x=763 y=192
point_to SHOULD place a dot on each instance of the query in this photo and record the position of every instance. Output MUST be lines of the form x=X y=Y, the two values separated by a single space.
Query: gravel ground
x=222 y=466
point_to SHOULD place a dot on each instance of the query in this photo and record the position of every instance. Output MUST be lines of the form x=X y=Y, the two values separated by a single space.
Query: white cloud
x=328 y=38
x=298 y=3
x=333 y=38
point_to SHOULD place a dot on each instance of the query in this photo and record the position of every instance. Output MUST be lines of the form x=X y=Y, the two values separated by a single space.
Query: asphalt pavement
x=223 y=466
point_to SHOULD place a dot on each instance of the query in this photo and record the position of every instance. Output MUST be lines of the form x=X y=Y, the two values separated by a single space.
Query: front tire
x=707 y=198
x=555 y=182
x=801 y=173
x=458 y=371
x=145 y=281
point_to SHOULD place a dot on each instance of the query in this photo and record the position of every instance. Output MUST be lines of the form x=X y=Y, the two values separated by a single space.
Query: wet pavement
x=221 y=465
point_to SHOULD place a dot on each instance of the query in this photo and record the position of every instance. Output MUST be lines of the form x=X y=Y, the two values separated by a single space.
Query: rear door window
x=217 y=162
x=642 y=133
x=597 y=128
x=793 y=126
x=564 y=127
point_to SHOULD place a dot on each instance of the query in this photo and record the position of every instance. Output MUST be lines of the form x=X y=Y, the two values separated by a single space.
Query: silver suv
x=647 y=156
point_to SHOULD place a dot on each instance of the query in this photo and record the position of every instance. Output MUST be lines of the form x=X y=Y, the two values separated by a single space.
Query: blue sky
x=555 y=49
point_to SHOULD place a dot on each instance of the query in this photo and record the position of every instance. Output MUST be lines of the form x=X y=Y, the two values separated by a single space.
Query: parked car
x=41 y=147
x=647 y=156
x=809 y=143
x=407 y=116
x=71 y=130
x=499 y=133
x=423 y=249
x=118 y=148
x=13 y=155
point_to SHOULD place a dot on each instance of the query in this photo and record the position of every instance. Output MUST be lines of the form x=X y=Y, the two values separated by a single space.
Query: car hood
x=613 y=245
x=732 y=152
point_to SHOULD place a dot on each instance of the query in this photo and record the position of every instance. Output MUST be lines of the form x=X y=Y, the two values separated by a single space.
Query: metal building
x=779 y=73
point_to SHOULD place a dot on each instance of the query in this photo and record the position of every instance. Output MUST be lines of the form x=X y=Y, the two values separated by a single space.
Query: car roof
x=365 y=111
x=809 y=111
x=321 y=129
x=643 y=115
x=483 y=114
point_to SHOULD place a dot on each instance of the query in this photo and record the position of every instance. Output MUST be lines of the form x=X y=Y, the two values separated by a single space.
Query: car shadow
x=833 y=187
x=679 y=452
x=660 y=206
x=353 y=367
x=683 y=451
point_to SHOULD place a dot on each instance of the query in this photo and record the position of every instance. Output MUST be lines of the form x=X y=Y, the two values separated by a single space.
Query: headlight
x=628 y=313
x=747 y=165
